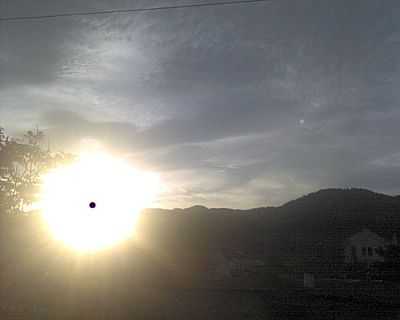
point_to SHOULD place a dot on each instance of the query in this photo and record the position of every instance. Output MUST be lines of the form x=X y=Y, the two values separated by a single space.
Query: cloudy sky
x=235 y=106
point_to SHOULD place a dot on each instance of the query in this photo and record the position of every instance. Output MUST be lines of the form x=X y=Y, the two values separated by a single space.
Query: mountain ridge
x=325 y=192
x=288 y=233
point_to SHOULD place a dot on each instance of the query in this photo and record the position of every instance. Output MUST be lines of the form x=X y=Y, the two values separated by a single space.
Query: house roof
x=366 y=234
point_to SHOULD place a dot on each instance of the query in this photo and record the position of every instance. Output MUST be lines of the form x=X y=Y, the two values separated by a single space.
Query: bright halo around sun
x=94 y=203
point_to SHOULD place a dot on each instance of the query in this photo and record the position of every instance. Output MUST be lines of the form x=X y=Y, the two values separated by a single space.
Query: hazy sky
x=235 y=106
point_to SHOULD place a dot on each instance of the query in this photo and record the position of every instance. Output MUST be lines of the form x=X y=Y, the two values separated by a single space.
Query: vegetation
x=22 y=163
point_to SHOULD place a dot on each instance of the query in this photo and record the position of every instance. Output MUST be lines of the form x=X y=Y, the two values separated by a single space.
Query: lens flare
x=94 y=203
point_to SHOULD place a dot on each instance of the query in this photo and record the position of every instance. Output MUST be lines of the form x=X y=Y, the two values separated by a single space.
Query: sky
x=234 y=106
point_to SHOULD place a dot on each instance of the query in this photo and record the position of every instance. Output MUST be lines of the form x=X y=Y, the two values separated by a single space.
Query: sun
x=94 y=203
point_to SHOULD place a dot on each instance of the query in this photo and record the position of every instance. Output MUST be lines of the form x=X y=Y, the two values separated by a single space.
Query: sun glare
x=94 y=202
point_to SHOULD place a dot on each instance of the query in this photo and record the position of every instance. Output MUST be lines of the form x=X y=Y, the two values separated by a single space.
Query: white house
x=365 y=246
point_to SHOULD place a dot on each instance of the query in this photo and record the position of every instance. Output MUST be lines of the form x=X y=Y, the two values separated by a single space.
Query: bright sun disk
x=94 y=202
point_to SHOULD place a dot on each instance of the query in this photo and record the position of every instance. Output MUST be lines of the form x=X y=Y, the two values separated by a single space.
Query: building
x=365 y=247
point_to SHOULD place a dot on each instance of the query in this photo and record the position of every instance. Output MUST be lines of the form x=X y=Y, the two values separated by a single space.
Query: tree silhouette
x=22 y=163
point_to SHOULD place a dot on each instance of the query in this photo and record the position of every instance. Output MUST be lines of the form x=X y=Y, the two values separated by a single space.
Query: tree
x=22 y=163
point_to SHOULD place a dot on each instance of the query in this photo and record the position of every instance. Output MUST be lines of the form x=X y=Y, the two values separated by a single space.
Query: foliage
x=22 y=163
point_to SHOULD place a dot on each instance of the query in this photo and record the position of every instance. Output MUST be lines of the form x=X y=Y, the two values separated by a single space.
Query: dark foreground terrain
x=115 y=290
x=147 y=303
x=169 y=270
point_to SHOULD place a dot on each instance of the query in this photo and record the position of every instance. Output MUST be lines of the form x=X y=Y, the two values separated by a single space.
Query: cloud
x=236 y=106
x=68 y=129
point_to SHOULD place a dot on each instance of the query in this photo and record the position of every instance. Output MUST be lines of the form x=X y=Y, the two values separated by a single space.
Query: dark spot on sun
x=92 y=205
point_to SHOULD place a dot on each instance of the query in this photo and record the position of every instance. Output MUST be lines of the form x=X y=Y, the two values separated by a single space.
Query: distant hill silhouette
x=348 y=209
x=306 y=231
x=321 y=221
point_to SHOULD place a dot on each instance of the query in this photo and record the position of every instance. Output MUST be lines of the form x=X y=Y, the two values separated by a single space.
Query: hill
x=320 y=222
x=307 y=231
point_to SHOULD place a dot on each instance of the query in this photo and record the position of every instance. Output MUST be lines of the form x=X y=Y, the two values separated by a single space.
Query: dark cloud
x=236 y=106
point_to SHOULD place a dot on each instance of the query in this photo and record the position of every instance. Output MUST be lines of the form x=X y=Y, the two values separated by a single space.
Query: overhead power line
x=122 y=11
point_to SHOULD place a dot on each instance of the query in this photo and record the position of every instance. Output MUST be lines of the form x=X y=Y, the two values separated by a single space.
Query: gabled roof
x=366 y=234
